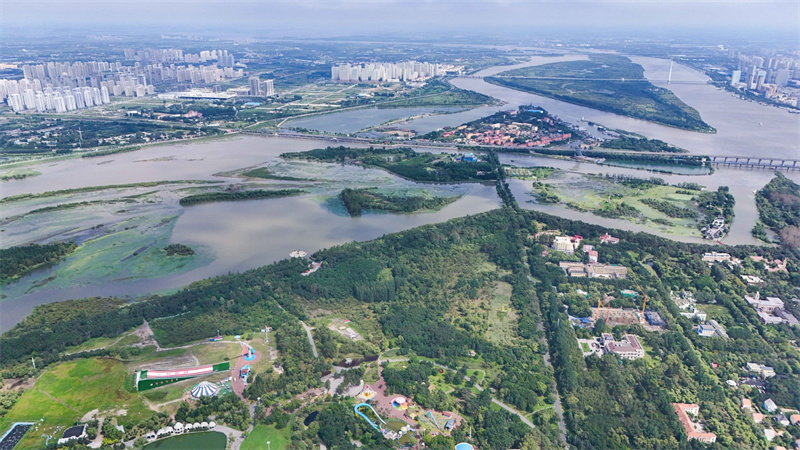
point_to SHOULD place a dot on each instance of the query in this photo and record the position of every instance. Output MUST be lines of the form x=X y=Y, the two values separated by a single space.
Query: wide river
x=244 y=235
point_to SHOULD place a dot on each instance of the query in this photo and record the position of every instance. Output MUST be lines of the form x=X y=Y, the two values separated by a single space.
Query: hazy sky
x=336 y=17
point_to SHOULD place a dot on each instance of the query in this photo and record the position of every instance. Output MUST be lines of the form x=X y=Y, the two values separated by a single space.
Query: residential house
x=770 y=406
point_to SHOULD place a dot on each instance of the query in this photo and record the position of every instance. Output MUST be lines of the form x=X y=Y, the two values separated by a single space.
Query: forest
x=779 y=209
x=16 y=261
x=357 y=200
x=237 y=195
x=405 y=162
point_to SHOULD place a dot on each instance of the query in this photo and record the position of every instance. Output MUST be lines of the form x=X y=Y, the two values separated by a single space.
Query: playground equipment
x=357 y=409
x=367 y=394
x=244 y=371
x=430 y=414
x=400 y=403
x=251 y=354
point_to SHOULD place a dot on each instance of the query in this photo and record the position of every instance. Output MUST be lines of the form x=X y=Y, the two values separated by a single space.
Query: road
x=310 y=339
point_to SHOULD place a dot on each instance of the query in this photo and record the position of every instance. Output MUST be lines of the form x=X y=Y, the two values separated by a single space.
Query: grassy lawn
x=257 y=439
x=717 y=312
x=216 y=352
x=58 y=400
x=502 y=317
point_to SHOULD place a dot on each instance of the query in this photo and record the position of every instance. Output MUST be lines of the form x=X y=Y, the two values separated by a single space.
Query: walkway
x=310 y=339
x=236 y=381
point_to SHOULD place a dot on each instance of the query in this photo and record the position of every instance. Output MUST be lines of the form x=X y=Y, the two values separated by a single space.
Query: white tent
x=212 y=425
x=204 y=389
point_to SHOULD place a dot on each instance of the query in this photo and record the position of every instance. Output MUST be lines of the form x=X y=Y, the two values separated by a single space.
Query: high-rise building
x=269 y=88
x=735 y=77
x=782 y=77
x=255 y=86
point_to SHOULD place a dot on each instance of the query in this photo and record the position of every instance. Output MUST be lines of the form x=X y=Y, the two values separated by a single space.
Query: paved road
x=513 y=411
x=310 y=339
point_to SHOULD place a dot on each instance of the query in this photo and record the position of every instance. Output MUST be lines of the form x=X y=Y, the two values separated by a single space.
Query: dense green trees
x=237 y=195
x=640 y=145
x=16 y=261
x=779 y=208
x=405 y=162
x=226 y=409
x=357 y=200
x=178 y=249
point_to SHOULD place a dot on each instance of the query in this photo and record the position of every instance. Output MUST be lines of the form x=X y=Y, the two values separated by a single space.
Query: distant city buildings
x=775 y=77
x=62 y=87
x=391 y=72
x=261 y=88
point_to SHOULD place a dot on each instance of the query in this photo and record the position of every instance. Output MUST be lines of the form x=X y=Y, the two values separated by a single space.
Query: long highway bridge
x=754 y=162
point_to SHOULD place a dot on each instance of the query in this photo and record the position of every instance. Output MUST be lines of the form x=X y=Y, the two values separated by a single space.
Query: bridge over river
x=754 y=162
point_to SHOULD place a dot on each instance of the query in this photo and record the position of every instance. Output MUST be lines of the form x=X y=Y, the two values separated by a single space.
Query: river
x=240 y=235
x=245 y=235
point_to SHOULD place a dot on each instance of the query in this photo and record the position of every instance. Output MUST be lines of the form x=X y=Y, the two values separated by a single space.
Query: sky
x=307 y=18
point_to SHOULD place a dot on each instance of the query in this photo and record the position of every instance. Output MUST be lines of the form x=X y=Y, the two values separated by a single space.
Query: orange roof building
x=683 y=410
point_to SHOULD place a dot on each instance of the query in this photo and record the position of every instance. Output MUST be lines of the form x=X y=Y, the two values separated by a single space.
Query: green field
x=502 y=316
x=210 y=440
x=594 y=84
x=257 y=439
x=216 y=352
x=66 y=392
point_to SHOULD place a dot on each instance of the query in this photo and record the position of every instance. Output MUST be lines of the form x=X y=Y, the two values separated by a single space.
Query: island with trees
x=407 y=163
x=608 y=83
x=226 y=196
x=17 y=261
x=356 y=201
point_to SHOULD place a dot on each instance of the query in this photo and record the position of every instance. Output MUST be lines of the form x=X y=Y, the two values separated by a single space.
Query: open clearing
x=257 y=439
x=57 y=400
x=502 y=317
